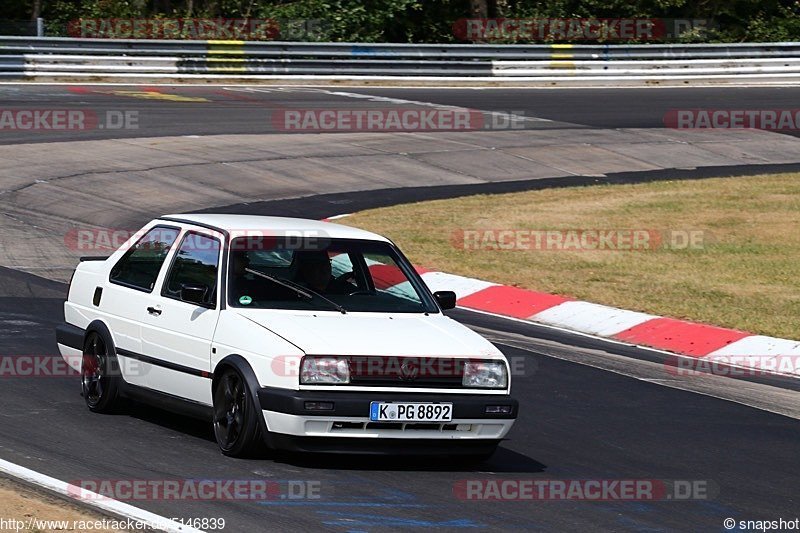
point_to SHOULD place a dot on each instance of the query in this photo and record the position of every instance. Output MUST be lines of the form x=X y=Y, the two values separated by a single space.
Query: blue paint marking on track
x=393 y=494
x=346 y=504
x=390 y=521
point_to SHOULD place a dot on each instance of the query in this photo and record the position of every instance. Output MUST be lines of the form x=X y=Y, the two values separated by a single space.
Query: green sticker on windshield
x=245 y=300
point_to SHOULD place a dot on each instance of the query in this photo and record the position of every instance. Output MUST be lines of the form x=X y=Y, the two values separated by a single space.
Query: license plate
x=410 y=412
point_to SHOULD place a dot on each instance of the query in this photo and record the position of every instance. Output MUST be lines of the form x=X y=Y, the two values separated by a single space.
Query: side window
x=195 y=264
x=140 y=265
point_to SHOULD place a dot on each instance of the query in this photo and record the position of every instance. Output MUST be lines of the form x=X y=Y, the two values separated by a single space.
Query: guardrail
x=26 y=57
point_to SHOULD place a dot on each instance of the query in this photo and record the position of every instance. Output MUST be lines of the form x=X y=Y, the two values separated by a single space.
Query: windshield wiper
x=299 y=289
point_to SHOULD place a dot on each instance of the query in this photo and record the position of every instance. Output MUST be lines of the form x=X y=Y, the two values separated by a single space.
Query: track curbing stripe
x=587 y=317
x=511 y=301
x=93 y=500
x=679 y=336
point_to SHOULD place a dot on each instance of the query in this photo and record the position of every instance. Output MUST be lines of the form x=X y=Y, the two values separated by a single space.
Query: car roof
x=274 y=225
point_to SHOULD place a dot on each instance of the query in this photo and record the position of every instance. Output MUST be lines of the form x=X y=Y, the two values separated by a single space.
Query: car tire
x=236 y=426
x=100 y=376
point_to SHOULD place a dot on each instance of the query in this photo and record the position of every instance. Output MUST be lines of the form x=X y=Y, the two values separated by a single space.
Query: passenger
x=242 y=283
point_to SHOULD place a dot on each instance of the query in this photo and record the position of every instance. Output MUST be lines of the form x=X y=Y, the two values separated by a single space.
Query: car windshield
x=342 y=275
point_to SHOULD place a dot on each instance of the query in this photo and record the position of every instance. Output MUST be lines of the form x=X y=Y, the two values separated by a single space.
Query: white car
x=290 y=333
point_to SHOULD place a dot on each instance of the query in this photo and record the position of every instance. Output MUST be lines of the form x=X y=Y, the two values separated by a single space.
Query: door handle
x=154 y=311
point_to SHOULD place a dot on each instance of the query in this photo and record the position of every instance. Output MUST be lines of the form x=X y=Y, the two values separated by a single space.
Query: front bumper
x=347 y=426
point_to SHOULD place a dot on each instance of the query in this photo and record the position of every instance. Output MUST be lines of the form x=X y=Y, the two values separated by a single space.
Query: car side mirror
x=445 y=299
x=194 y=293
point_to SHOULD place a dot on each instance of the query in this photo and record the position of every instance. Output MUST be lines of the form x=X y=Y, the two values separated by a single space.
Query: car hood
x=373 y=334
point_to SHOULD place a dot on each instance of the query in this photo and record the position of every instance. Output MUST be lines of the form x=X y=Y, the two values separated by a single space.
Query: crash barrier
x=27 y=57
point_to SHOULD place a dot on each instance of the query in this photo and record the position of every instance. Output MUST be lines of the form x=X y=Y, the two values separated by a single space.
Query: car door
x=177 y=333
x=122 y=301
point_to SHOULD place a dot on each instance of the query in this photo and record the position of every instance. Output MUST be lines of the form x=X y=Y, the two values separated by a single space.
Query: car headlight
x=324 y=370
x=485 y=374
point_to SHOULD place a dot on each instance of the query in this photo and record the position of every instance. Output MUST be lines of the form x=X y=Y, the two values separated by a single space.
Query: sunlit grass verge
x=742 y=271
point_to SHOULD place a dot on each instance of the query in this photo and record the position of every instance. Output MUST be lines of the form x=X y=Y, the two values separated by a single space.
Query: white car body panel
x=392 y=334
x=272 y=341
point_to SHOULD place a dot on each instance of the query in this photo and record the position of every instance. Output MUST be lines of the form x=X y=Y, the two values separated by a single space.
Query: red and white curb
x=105 y=505
x=707 y=344
x=701 y=341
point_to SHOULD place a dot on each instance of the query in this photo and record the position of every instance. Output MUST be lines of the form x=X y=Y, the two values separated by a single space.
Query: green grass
x=745 y=276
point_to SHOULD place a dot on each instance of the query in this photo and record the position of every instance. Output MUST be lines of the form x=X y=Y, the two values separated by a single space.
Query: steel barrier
x=53 y=57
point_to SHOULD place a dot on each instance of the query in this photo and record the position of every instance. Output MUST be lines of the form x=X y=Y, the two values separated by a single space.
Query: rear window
x=139 y=267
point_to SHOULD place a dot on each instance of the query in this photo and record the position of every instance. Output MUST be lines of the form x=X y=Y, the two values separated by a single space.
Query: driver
x=314 y=271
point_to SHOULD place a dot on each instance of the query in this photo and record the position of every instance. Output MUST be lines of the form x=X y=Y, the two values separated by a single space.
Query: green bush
x=430 y=20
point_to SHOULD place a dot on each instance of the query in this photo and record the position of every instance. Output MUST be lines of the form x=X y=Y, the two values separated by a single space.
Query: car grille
x=397 y=426
x=411 y=372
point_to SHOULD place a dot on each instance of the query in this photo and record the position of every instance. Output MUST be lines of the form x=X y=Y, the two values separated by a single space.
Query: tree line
x=436 y=21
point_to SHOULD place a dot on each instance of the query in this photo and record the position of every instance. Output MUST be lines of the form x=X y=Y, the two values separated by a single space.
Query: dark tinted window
x=195 y=264
x=140 y=265
x=360 y=276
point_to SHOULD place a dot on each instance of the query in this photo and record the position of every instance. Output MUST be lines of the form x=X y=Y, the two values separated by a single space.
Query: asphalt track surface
x=580 y=416
x=576 y=422
x=193 y=110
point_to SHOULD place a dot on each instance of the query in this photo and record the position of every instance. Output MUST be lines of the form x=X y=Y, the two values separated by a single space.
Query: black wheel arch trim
x=253 y=386
x=100 y=327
